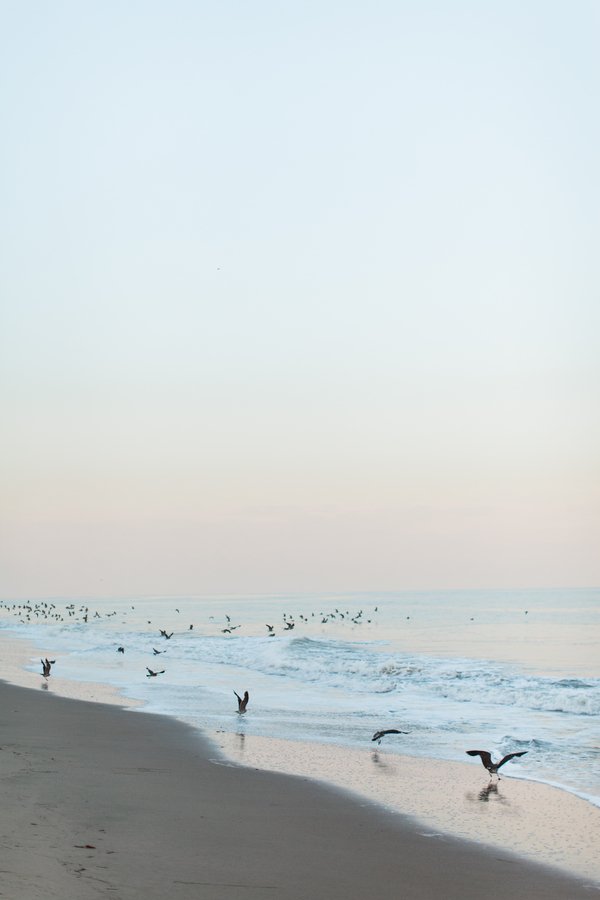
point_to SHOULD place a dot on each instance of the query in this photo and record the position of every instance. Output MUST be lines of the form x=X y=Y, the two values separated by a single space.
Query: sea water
x=502 y=671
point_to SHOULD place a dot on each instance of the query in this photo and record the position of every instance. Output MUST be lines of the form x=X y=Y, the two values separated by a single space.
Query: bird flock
x=71 y=613
x=45 y=611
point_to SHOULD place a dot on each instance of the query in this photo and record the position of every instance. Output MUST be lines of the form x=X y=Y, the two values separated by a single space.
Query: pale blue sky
x=298 y=296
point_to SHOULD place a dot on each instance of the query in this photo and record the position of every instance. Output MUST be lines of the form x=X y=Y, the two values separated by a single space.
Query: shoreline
x=536 y=821
x=99 y=802
x=17 y=652
x=539 y=823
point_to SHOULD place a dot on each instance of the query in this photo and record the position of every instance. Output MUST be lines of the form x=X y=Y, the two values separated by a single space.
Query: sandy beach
x=103 y=801
x=542 y=823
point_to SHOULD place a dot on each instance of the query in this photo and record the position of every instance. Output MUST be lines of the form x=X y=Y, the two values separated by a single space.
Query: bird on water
x=486 y=759
x=242 y=701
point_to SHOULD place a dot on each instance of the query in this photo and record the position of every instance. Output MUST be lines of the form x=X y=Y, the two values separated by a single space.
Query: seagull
x=242 y=702
x=165 y=635
x=46 y=666
x=157 y=652
x=120 y=649
x=270 y=627
x=152 y=674
x=380 y=734
x=486 y=759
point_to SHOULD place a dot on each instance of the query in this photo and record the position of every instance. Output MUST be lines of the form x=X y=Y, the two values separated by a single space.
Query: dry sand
x=99 y=801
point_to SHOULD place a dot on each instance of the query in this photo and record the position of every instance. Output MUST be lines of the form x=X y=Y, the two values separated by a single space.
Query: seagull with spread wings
x=46 y=666
x=486 y=759
x=380 y=734
x=242 y=701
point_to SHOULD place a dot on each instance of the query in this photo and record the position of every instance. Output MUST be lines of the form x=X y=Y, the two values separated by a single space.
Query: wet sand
x=540 y=822
x=100 y=801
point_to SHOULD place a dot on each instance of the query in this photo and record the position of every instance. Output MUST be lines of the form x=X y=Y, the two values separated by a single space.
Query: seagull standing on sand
x=242 y=701
x=486 y=759
x=380 y=734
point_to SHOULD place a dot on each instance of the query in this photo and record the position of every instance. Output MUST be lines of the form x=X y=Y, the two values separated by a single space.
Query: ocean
x=458 y=670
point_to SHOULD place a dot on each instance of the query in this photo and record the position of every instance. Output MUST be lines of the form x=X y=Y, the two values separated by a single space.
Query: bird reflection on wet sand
x=385 y=764
x=488 y=792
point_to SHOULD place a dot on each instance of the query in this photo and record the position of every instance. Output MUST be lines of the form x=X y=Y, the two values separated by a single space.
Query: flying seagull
x=242 y=701
x=165 y=635
x=380 y=734
x=486 y=759
x=157 y=652
x=152 y=674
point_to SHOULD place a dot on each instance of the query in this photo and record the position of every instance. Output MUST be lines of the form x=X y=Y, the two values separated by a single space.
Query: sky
x=298 y=296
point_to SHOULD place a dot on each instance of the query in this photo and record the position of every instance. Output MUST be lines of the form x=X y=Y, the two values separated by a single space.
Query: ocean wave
x=359 y=668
